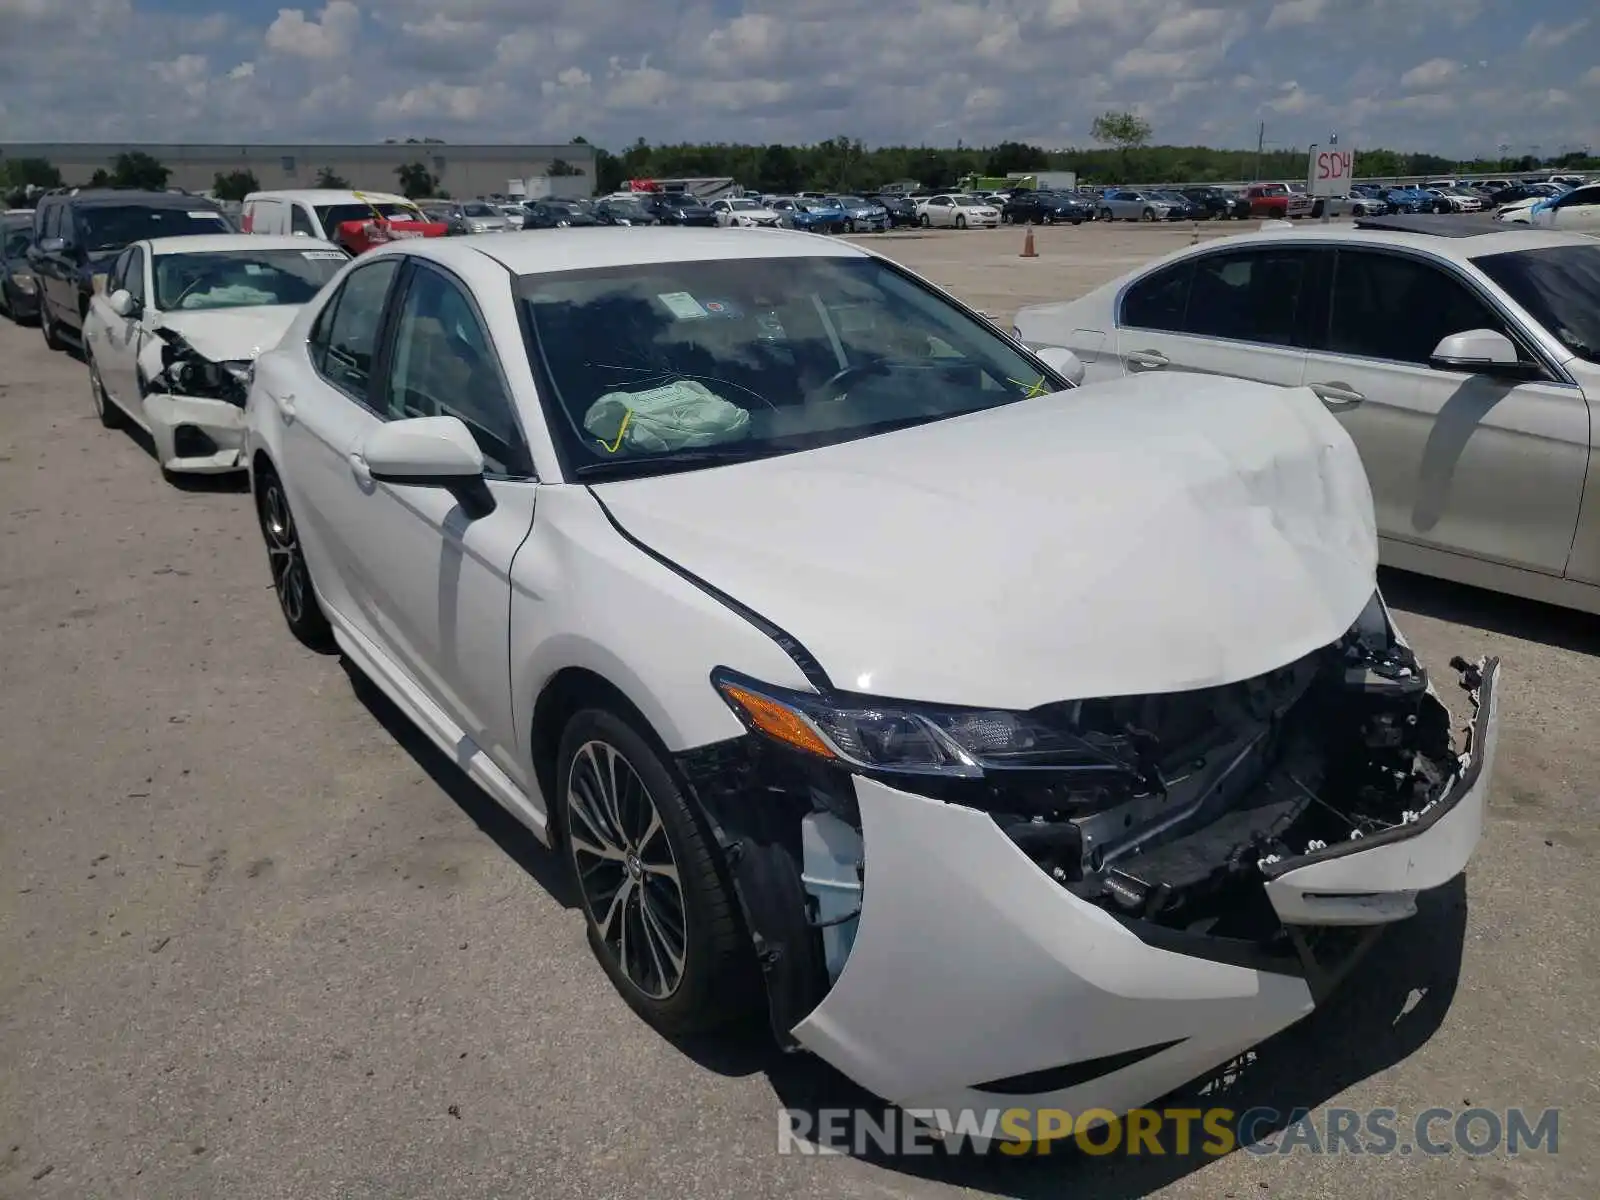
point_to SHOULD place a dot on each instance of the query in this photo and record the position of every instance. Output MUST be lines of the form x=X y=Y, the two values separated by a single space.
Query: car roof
x=330 y=196
x=1491 y=238
x=545 y=251
x=135 y=196
x=213 y=243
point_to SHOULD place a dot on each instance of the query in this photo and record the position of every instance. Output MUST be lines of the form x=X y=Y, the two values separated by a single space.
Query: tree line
x=1125 y=154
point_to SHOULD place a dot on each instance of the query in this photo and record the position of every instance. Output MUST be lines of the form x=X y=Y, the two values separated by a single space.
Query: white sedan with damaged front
x=1007 y=743
x=172 y=338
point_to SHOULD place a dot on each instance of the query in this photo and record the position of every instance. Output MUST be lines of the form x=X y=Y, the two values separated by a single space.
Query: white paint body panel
x=1229 y=523
x=1051 y=979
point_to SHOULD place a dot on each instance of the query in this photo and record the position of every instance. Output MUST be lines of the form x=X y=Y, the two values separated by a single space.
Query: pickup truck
x=1275 y=200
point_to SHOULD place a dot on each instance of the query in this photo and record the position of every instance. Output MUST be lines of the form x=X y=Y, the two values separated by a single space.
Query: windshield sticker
x=324 y=255
x=721 y=308
x=681 y=305
x=1037 y=388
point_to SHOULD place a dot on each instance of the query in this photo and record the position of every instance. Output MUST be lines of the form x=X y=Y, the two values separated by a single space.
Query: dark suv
x=77 y=232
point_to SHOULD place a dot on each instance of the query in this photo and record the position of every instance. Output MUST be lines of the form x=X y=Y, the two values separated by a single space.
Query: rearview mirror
x=1063 y=362
x=429 y=452
x=1480 y=352
x=122 y=303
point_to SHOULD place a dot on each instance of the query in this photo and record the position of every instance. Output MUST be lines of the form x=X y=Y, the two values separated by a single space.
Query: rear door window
x=1248 y=295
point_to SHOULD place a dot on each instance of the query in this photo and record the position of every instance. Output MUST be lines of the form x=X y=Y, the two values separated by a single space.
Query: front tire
x=1107 y=215
x=291 y=577
x=961 y=221
x=924 y=221
x=660 y=918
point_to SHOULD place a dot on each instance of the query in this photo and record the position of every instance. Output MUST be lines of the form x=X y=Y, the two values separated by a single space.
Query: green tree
x=136 y=169
x=1125 y=131
x=416 y=181
x=16 y=173
x=100 y=178
x=561 y=167
x=234 y=185
x=328 y=178
x=779 y=170
x=1015 y=156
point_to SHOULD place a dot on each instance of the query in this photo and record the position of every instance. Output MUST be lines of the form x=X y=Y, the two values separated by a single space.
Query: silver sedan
x=1129 y=205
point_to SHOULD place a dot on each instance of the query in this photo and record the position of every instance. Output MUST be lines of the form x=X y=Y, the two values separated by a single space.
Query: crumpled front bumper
x=977 y=981
x=176 y=420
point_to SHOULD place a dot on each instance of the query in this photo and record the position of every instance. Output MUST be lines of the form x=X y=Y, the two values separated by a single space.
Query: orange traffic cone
x=1027 y=243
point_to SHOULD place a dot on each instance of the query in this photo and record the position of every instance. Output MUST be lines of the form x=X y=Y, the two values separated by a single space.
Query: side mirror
x=1063 y=362
x=51 y=245
x=430 y=452
x=1478 y=352
x=122 y=303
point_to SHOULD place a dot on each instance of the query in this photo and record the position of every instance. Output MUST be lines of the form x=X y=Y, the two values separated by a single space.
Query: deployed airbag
x=675 y=416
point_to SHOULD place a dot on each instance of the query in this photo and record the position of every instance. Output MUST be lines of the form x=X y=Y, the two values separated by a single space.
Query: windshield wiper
x=650 y=464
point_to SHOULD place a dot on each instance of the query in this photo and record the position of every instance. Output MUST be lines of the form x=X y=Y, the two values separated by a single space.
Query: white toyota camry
x=1012 y=744
x=171 y=339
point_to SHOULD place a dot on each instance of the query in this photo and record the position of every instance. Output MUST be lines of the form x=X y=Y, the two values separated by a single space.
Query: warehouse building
x=460 y=170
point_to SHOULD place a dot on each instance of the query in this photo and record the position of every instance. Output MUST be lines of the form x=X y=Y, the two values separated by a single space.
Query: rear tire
x=52 y=339
x=661 y=920
x=1149 y=214
x=291 y=577
x=104 y=407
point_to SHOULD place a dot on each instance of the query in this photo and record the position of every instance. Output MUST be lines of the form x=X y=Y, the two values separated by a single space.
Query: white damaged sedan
x=172 y=338
x=1009 y=743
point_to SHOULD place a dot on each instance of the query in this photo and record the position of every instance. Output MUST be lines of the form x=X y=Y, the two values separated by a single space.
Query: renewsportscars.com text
x=1171 y=1131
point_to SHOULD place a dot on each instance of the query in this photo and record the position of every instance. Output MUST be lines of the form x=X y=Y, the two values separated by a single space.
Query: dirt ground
x=258 y=940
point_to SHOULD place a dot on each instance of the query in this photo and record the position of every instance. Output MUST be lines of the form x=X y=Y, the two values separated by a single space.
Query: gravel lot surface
x=258 y=940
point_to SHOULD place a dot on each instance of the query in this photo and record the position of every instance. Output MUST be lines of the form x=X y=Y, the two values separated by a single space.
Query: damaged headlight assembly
x=187 y=372
x=886 y=737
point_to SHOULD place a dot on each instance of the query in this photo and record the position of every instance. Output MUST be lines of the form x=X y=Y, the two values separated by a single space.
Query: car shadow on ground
x=1388 y=1007
x=548 y=869
x=1478 y=608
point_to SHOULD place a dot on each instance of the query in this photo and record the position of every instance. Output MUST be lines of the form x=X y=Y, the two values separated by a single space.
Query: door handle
x=1146 y=360
x=359 y=468
x=1338 y=396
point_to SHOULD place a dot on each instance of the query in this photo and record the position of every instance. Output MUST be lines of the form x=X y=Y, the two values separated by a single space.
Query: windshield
x=1560 y=288
x=15 y=240
x=971 y=202
x=113 y=226
x=743 y=205
x=242 y=278
x=658 y=367
x=479 y=210
x=334 y=215
x=624 y=208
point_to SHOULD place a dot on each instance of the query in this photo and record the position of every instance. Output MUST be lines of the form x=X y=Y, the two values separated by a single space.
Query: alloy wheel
x=289 y=578
x=626 y=869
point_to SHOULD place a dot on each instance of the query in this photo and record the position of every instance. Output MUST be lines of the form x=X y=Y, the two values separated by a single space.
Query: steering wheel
x=837 y=383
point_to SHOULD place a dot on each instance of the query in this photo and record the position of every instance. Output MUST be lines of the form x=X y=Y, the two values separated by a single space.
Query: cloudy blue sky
x=1458 y=77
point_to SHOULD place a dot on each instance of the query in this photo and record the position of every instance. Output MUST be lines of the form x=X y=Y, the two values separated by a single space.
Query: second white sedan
x=955 y=211
x=744 y=214
x=171 y=340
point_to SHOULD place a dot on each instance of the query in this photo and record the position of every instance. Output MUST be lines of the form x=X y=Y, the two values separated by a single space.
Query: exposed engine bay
x=1226 y=783
x=1172 y=811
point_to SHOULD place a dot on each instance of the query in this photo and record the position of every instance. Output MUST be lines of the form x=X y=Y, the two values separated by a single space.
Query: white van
x=318 y=212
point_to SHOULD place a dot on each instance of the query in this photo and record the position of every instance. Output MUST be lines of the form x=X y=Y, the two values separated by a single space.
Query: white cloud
x=1430 y=74
x=330 y=35
x=891 y=72
x=1292 y=14
x=1550 y=37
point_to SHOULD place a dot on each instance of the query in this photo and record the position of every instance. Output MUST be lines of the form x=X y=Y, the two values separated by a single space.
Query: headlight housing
x=24 y=281
x=900 y=737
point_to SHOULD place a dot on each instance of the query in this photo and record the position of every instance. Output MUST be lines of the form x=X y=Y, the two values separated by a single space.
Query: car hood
x=232 y=334
x=1141 y=535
